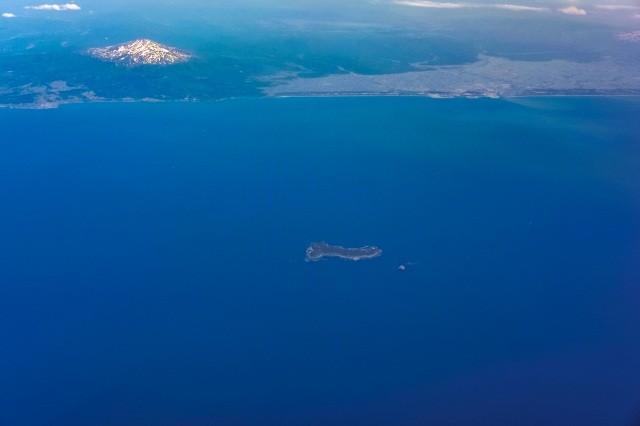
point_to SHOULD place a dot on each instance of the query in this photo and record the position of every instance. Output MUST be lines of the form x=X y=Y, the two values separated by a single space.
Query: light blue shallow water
x=152 y=262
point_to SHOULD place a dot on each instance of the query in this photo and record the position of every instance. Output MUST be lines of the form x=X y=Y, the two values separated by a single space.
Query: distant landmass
x=272 y=56
x=140 y=52
x=317 y=251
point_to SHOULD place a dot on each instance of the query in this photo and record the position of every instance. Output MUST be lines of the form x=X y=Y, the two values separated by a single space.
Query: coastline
x=55 y=105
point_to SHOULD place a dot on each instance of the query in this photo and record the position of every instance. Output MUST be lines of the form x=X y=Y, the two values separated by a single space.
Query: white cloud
x=616 y=7
x=432 y=4
x=573 y=10
x=8 y=15
x=519 y=8
x=58 y=7
x=444 y=5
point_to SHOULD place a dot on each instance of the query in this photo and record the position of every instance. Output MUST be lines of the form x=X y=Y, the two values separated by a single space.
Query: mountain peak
x=140 y=52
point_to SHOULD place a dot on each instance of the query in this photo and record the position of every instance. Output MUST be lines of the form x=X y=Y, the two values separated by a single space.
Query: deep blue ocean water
x=152 y=262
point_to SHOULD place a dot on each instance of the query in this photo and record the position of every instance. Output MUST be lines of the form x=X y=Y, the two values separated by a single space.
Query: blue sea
x=152 y=262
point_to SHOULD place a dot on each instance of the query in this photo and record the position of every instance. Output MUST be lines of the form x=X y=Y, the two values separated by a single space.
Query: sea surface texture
x=152 y=262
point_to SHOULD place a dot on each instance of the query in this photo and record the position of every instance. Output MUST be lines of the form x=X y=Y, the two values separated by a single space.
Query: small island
x=140 y=52
x=317 y=251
